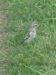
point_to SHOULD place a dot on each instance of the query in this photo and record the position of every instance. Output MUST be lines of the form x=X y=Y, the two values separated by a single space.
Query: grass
x=39 y=56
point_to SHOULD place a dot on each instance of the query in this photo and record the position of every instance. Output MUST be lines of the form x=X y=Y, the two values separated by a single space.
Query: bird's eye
x=34 y=26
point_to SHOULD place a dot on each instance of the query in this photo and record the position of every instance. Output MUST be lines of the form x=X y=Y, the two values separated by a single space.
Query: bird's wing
x=27 y=36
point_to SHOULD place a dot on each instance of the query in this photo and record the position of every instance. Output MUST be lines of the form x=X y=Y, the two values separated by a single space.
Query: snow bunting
x=31 y=33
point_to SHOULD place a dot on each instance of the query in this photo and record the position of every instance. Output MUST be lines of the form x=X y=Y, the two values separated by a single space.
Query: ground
x=37 y=57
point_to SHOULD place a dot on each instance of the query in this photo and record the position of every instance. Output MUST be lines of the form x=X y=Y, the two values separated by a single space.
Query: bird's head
x=34 y=25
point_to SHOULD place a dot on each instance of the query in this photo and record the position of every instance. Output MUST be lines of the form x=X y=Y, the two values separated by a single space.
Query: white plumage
x=31 y=33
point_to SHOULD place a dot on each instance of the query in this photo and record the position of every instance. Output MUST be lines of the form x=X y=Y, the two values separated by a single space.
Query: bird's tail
x=22 y=42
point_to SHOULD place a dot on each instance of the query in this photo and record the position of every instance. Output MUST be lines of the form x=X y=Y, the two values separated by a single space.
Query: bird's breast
x=32 y=34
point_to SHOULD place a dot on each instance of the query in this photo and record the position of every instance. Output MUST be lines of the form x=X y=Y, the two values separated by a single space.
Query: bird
x=31 y=34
